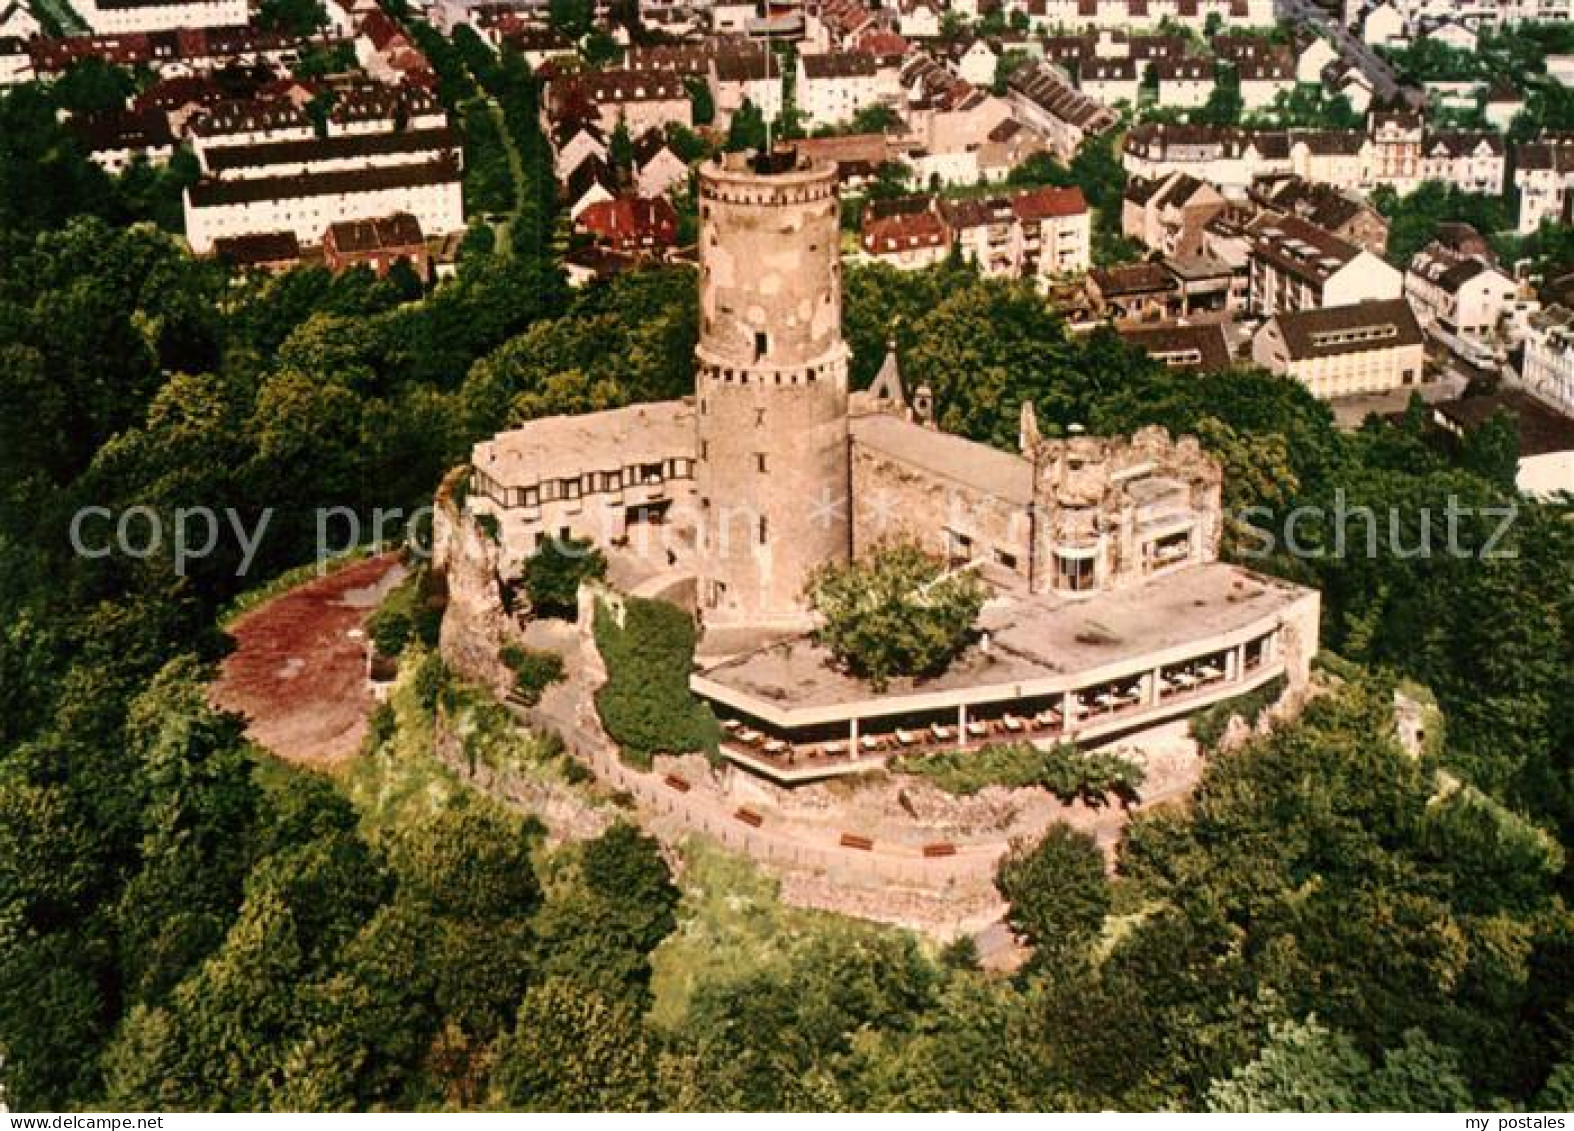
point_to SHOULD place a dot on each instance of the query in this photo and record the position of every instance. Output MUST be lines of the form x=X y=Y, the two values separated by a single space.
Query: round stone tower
x=771 y=386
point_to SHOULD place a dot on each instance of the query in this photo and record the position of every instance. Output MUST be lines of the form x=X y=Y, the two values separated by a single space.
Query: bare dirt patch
x=297 y=674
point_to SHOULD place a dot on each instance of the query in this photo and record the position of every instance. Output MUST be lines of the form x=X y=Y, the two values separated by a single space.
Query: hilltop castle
x=1112 y=609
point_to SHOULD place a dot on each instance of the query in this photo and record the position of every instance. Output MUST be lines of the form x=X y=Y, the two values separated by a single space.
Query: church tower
x=771 y=386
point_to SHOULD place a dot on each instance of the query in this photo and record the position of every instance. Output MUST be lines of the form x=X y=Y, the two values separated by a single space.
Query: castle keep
x=771 y=384
x=1111 y=610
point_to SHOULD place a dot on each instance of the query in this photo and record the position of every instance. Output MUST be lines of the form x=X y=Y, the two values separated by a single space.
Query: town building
x=1202 y=347
x=631 y=223
x=117 y=17
x=264 y=251
x=1548 y=367
x=641 y=100
x=832 y=88
x=1341 y=212
x=1545 y=468
x=750 y=75
x=376 y=243
x=1296 y=266
x=1543 y=170
x=1168 y=215
x=1343 y=351
x=1458 y=294
x=1063 y=116
x=1040 y=232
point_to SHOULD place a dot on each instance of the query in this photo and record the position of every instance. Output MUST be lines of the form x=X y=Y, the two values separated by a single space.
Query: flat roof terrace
x=1031 y=647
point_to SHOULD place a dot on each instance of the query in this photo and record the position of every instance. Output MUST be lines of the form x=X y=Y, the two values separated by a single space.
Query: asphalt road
x=1385 y=84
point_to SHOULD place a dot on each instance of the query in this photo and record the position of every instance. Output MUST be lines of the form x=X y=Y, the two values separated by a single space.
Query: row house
x=1169 y=215
x=1296 y=266
x=573 y=140
x=642 y=100
x=538 y=46
x=1110 y=80
x=1472 y=160
x=1186 y=83
x=1262 y=80
x=1394 y=152
x=1035 y=233
x=832 y=88
x=1194 y=15
x=265 y=167
x=178 y=51
x=306 y=203
x=1042 y=101
x=1543 y=170
x=118 y=17
x=1354 y=349
x=1461 y=295
x=632 y=224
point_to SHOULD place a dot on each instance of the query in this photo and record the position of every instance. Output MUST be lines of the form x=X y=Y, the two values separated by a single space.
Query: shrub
x=534 y=671
x=390 y=631
x=1068 y=773
x=646 y=705
x=554 y=572
x=1208 y=725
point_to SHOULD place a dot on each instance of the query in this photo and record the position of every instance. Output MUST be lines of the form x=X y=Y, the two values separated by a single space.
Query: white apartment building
x=1461 y=294
x=118 y=17
x=1185 y=83
x=307 y=203
x=1542 y=172
x=1062 y=116
x=831 y=88
x=1341 y=351
x=266 y=169
x=1297 y=266
x=1548 y=369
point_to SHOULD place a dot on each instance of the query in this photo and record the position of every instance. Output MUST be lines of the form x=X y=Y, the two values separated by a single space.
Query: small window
x=759 y=461
x=759 y=418
x=763 y=530
x=761 y=343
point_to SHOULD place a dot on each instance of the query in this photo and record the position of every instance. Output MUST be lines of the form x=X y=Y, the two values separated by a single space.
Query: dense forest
x=184 y=922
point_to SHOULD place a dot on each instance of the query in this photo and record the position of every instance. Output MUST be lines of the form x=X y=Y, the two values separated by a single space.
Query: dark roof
x=1203 y=347
x=844 y=65
x=398 y=231
x=1335 y=330
x=1542 y=429
x=1302 y=249
x=123 y=129
x=1132 y=279
x=258 y=248
x=209 y=193
x=340 y=147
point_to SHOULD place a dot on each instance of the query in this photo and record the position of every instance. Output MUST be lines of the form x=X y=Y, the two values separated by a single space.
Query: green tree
x=575 y=1049
x=746 y=130
x=554 y=573
x=1058 y=891
x=898 y=613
